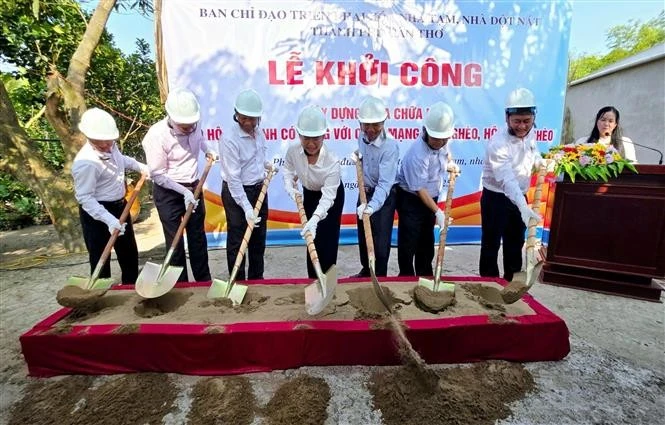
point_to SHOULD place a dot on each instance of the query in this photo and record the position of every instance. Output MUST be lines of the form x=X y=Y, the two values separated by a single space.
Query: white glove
x=452 y=167
x=364 y=209
x=144 y=170
x=251 y=218
x=291 y=190
x=440 y=218
x=550 y=164
x=527 y=214
x=189 y=199
x=213 y=156
x=115 y=225
x=310 y=226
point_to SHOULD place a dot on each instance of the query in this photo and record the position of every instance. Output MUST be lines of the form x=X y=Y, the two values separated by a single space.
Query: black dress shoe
x=362 y=273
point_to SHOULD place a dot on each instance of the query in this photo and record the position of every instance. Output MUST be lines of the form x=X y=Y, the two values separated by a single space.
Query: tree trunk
x=18 y=157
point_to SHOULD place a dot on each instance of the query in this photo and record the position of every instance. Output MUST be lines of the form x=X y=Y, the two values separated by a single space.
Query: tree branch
x=80 y=62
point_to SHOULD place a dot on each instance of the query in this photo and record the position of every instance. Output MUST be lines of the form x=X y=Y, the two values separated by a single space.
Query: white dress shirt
x=422 y=168
x=322 y=176
x=242 y=157
x=380 y=159
x=509 y=163
x=100 y=176
x=628 y=147
x=173 y=157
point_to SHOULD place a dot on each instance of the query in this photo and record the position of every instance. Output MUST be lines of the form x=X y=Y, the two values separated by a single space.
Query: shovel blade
x=219 y=288
x=427 y=283
x=315 y=299
x=153 y=282
x=441 y=287
x=82 y=282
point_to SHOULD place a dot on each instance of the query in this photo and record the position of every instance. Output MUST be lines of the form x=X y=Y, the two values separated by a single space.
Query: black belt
x=120 y=201
x=253 y=186
x=191 y=185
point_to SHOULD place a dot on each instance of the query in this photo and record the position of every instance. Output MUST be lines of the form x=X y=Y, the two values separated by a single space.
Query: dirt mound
x=430 y=301
x=473 y=395
x=131 y=399
x=367 y=303
x=227 y=400
x=302 y=400
x=37 y=406
x=487 y=296
x=75 y=297
x=167 y=303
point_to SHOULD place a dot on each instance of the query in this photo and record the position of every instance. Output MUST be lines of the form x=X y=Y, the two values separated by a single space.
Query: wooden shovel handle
x=443 y=234
x=190 y=207
x=250 y=227
x=114 y=236
x=308 y=236
x=535 y=206
x=369 y=240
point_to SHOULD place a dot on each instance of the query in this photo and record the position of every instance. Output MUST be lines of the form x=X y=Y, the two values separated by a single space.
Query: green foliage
x=19 y=207
x=36 y=40
x=623 y=41
x=591 y=161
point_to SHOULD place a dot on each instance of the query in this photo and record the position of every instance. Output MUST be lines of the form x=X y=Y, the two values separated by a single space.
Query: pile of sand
x=285 y=302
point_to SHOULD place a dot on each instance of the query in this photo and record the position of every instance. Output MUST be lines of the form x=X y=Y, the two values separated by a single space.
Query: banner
x=411 y=54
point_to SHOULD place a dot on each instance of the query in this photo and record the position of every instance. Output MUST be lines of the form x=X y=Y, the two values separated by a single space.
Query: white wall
x=639 y=95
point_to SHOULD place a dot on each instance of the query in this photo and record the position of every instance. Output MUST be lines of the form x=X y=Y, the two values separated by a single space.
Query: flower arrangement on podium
x=591 y=161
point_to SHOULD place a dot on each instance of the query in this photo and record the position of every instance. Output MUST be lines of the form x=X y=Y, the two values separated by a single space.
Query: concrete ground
x=615 y=373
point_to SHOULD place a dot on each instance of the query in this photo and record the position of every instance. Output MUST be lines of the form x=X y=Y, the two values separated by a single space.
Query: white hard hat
x=372 y=110
x=182 y=107
x=520 y=99
x=439 y=121
x=311 y=122
x=249 y=103
x=96 y=124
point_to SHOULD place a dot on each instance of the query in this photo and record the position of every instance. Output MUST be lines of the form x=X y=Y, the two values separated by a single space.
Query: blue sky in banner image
x=590 y=21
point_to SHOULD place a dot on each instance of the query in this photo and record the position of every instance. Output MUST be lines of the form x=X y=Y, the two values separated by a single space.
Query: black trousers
x=235 y=229
x=171 y=208
x=327 y=231
x=501 y=220
x=382 y=226
x=415 y=235
x=96 y=235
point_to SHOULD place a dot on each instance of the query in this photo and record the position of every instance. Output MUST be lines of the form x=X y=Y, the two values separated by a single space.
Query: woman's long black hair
x=616 y=139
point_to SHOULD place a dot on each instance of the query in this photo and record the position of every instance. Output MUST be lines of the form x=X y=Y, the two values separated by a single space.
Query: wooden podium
x=609 y=237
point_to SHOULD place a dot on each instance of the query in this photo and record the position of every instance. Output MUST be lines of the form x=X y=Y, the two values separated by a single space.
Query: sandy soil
x=275 y=303
x=614 y=374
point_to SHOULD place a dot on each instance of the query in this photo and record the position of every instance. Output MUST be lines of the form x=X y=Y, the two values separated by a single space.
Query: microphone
x=660 y=161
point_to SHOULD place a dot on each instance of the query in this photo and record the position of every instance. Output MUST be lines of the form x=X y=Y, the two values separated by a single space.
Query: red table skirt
x=266 y=346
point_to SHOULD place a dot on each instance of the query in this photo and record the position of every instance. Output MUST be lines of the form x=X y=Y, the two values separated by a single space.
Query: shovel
x=93 y=282
x=522 y=281
x=155 y=280
x=228 y=289
x=436 y=285
x=319 y=294
x=369 y=241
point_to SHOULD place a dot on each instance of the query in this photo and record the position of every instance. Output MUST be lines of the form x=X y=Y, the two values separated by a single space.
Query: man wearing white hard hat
x=318 y=170
x=420 y=180
x=172 y=149
x=243 y=152
x=510 y=158
x=99 y=185
x=380 y=156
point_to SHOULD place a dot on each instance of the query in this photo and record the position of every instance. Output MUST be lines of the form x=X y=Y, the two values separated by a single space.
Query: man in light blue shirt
x=380 y=156
x=420 y=180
